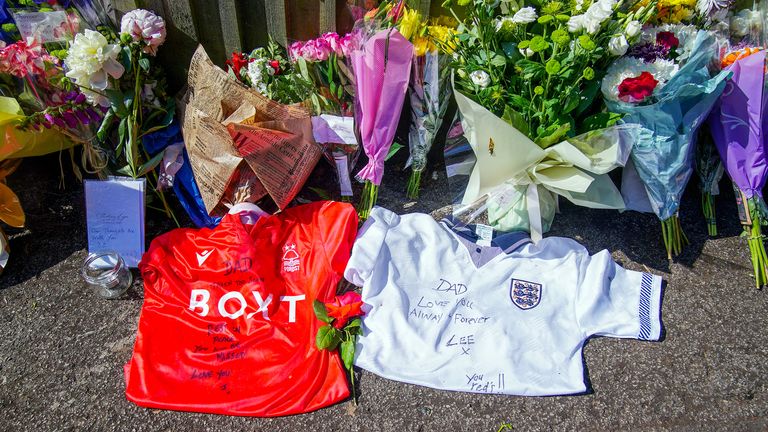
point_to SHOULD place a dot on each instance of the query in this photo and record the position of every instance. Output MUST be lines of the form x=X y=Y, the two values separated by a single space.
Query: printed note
x=115 y=217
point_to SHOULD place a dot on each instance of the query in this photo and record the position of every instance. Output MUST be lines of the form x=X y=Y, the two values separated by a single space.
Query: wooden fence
x=224 y=26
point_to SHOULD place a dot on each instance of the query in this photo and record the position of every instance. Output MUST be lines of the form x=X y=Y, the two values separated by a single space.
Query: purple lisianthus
x=649 y=52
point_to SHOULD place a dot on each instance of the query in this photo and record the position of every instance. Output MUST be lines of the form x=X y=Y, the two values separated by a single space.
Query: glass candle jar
x=107 y=274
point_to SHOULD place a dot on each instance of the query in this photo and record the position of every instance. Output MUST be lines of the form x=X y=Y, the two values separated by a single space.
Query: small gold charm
x=491 y=146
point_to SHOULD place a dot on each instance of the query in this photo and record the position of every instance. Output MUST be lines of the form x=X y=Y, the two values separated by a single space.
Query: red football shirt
x=227 y=324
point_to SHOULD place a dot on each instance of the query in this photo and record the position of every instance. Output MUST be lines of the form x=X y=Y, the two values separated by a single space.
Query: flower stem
x=756 y=245
x=367 y=200
x=708 y=208
x=673 y=235
x=414 y=184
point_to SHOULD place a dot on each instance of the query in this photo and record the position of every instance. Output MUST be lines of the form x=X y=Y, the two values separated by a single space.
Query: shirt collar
x=507 y=241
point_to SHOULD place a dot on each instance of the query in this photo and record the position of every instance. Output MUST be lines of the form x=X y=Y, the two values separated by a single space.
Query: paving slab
x=62 y=349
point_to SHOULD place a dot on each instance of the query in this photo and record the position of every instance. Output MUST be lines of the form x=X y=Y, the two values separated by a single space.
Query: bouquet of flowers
x=323 y=62
x=116 y=72
x=664 y=83
x=739 y=124
x=381 y=64
x=526 y=80
x=429 y=89
x=269 y=71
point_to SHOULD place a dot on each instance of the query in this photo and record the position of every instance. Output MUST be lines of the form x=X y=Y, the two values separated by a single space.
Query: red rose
x=667 y=40
x=237 y=62
x=638 y=88
x=345 y=307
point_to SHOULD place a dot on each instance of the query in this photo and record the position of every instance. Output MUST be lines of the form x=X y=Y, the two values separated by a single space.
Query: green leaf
x=144 y=64
x=552 y=135
x=587 y=97
x=150 y=164
x=498 y=60
x=106 y=123
x=126 y=170
x=393 y=149
x=125 y=58
x=510 y=50
x=348 y=353
x=355 y=326
x=515 y=119
x=571 y=102
x=327 y=338
x=321 y=312
x=600 y=120
x=121 y=130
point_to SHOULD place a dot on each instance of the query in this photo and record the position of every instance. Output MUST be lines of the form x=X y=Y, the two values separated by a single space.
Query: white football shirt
x=509 y=318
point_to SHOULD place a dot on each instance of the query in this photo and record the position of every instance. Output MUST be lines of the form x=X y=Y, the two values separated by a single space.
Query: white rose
x=618 y=45
x=480 y=78
x=525 y=15
x=526 y=52
x=633 y=29
x=576 y=23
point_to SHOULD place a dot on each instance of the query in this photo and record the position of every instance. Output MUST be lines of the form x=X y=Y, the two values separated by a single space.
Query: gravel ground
x=62 y=349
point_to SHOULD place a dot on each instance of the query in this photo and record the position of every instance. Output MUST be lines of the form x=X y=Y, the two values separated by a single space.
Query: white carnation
x=480 y=78
x=525 y=15
x=91 y=61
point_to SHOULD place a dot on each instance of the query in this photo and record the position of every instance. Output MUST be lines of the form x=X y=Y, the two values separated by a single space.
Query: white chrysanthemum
x=525 y=15
x=144 y=26
x=256 y=70
x=630 y=67
x=91 y=61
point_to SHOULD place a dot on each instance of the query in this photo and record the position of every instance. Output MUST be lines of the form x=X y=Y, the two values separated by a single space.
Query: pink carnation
x=346 y=45
x=323 y=48
x=146 y=27
x=334 y=41
x=309 y=51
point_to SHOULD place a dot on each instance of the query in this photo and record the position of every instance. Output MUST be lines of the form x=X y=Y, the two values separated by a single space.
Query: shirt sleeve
x=369 y=241
x=613 y=301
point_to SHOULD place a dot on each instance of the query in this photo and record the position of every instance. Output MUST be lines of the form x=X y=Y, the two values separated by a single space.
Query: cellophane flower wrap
x=664 y=84
x=710 y=169
x=739 y=123
x=526 y=79
x=429 y=91
x=382 y=66
x=324 y=62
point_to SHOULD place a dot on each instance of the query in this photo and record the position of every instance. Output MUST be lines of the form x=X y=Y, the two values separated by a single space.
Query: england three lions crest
x=525 y=295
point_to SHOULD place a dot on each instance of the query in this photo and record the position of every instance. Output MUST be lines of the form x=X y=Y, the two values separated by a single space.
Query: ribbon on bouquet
x=520 y=181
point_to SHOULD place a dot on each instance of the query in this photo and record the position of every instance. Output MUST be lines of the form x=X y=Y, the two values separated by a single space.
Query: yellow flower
x=422 y=45
x=444 y=37
x=410 y=23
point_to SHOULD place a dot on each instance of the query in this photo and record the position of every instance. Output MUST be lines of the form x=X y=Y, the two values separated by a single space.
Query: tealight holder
x=106 y=274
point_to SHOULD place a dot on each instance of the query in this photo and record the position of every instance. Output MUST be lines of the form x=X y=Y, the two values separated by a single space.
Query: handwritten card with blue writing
x=115 y=217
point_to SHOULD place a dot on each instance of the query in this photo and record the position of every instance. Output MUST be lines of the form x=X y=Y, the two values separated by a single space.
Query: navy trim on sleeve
x=646 y=288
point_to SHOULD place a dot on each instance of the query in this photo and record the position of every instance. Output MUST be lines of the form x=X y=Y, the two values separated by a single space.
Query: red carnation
x=275 y=65
x=638 y=88
x=237 y=62
x=667 y=40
